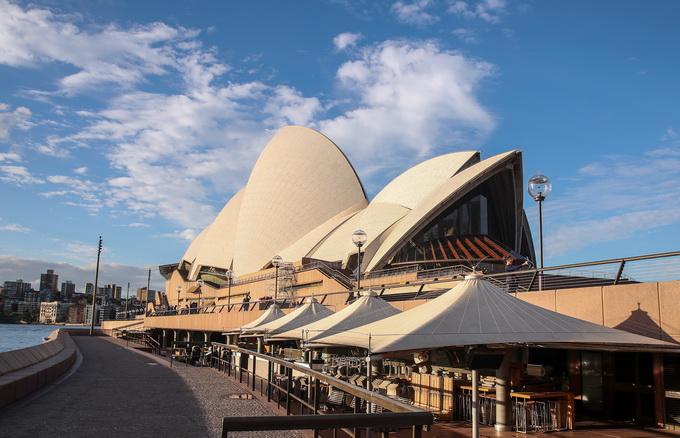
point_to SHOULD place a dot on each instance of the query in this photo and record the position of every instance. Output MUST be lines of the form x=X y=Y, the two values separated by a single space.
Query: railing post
x=270 y=370
x=357 y=409
x=317 y=393
x=316 y=404
x=533 y=279
x=240 y=368
x=254 y=368
x=289 y=384
x=620 y=272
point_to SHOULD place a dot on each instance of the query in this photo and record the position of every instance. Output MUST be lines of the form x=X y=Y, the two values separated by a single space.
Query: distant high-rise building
x=144 y=296
x=68 y=289
x=88 y=314
x=89 y=288
x=32 y=296
x=15 y=290
x=112 y=291
x=76 y=313
x=49 y=284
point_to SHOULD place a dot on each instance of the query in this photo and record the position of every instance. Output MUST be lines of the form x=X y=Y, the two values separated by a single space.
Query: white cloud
x=106 y=54
x=9 y=156
x=138 y=225
x=14 y=228
x=413 y=100
x=466 y=35
x=188 y=234
x=78 y=192
x=18 y=175
x=489 y=11
x=346 y=39
x=80 y=170
x=619 y=206
x=17 y=119
x=414 y=12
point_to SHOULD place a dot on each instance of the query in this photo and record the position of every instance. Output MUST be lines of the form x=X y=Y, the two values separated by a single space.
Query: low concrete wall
x=131 y=324
x=26 y=370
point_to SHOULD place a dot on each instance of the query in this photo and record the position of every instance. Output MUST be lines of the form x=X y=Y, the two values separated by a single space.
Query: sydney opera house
x=304 y=200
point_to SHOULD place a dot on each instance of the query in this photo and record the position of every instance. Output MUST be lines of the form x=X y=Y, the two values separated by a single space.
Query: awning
x=477 y=312
x=273 y=313
x=309 y=312
x=366 y=309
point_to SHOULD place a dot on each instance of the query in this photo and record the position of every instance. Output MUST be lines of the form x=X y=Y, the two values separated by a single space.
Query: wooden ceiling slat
x=453 y=250
x=488 y=250
x=474 y=248
x=441 y=249
x=462 y=248
x=497 y=247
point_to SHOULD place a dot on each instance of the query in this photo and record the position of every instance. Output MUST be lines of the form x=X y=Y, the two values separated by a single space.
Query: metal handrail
x=385 y=420
x=357 y=391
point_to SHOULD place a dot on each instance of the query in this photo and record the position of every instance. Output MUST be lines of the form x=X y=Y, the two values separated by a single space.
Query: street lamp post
x=96 y=282
x=359 y=238
x=200 y=294
x=276 y=262
x=127 y=299
x=539 y=188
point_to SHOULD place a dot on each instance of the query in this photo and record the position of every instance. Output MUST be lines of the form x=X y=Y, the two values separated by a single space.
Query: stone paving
x=120 y=393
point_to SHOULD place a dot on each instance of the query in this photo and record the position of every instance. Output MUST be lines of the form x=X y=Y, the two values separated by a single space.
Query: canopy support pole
x=503 y=413
x=475 y=404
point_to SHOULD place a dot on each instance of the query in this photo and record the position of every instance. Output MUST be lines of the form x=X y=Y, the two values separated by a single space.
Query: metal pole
x=127 y=299
x=276 y=283
x=229 y=290
x=148 y=285
x=540 y=239
x=96 y=282
x=358 y=268
x=475 y=405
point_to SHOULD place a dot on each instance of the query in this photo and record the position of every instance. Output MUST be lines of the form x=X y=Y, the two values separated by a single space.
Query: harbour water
x=16 y=336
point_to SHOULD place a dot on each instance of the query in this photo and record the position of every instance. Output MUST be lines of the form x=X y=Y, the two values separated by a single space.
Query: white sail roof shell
x=374 y=220
x=412 y=186
x=366 y=309
x=440 y=197
x=300 y=180
x=304 y=246
x=309 y=312
x=477 y=312
x=195 y=247
x=217 y=247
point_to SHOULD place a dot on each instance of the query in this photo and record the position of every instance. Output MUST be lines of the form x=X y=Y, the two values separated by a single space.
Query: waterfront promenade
x=117 y=392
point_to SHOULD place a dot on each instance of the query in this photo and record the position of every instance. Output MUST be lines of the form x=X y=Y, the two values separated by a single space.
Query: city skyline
x=145 y=136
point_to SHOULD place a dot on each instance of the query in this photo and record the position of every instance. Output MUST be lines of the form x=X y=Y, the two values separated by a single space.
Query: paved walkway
x=117 y=392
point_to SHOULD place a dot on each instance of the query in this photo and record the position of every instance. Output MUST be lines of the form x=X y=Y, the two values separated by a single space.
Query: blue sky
x=138 y=120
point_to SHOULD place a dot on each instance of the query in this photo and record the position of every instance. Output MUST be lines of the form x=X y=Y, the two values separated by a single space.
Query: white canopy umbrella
x=273 y=313
x=366 y=309
x=477 y=312
x=309 y=312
